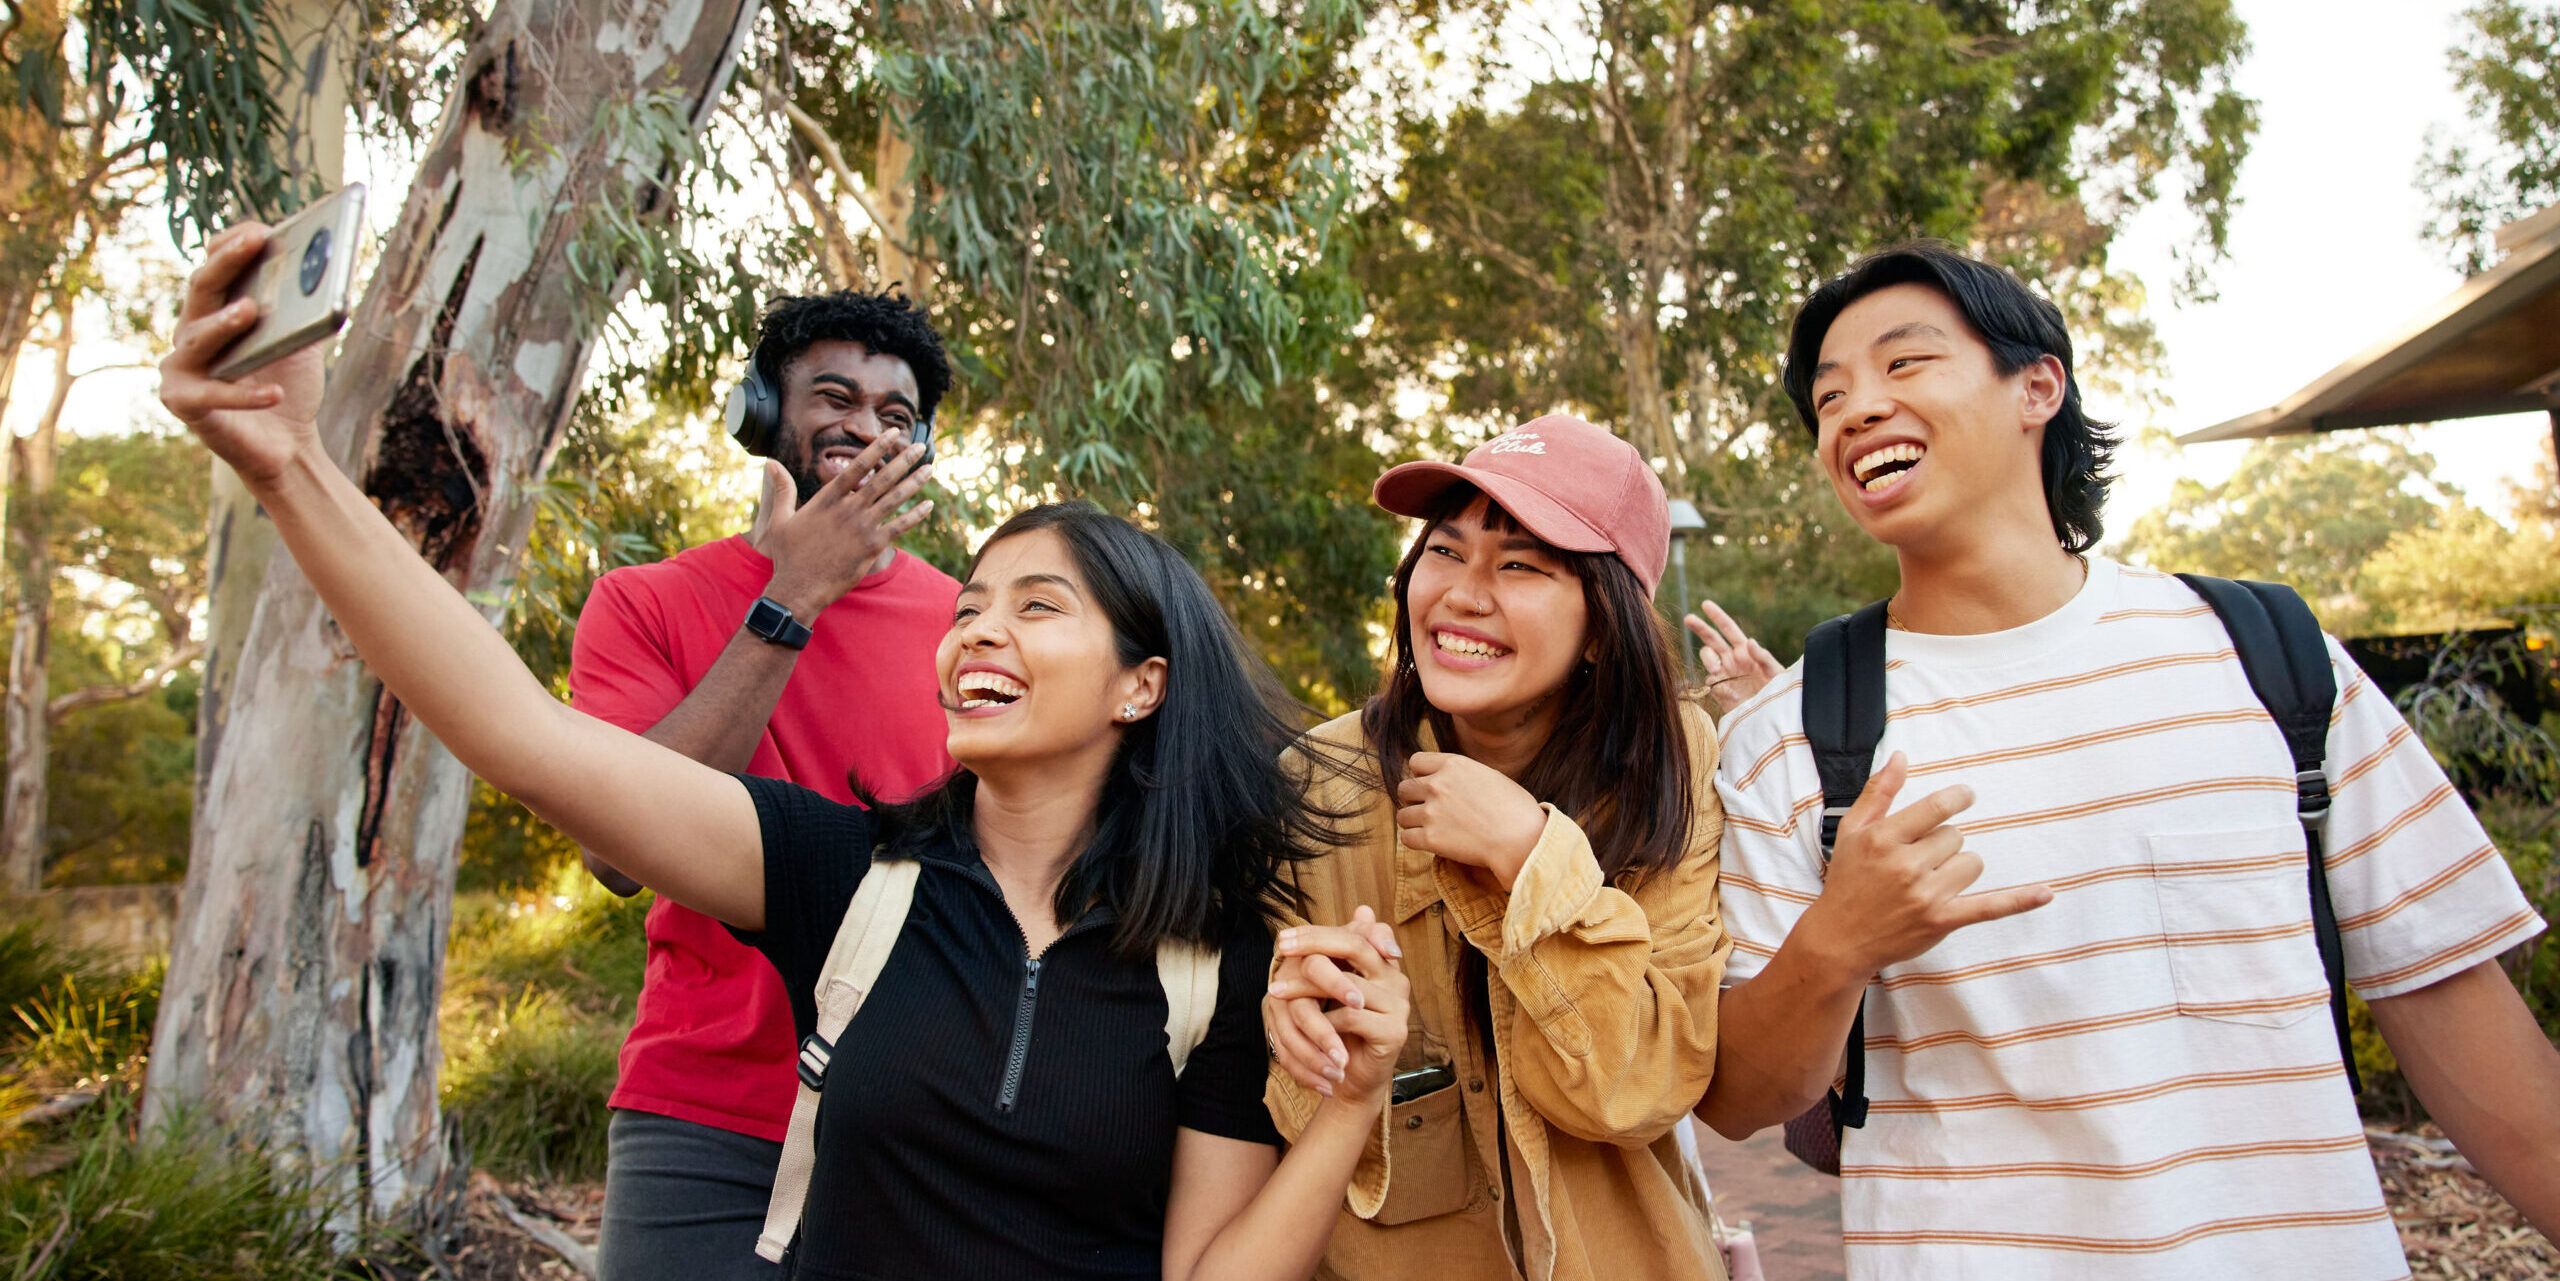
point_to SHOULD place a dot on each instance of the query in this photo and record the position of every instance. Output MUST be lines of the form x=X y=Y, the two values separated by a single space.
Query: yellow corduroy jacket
x=1603 y=1033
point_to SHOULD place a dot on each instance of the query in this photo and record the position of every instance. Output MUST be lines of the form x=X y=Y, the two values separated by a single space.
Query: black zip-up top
x=990 y=1113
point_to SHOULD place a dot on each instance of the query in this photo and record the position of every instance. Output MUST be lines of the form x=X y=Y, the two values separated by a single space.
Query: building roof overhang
x=2489 y=347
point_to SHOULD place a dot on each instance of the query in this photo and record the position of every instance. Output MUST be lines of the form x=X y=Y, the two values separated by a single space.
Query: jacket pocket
x=2236 y=924
x=1427 y=1166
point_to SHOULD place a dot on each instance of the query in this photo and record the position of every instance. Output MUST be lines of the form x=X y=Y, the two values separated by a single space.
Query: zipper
x=1019 y=1056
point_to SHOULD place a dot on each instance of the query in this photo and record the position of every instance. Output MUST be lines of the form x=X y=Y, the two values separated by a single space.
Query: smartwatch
x=772 y=620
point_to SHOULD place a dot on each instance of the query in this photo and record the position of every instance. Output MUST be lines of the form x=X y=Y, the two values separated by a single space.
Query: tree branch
x=64 y=705
x=832 y=156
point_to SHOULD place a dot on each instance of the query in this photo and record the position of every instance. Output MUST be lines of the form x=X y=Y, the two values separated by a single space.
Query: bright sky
x=2326 y=255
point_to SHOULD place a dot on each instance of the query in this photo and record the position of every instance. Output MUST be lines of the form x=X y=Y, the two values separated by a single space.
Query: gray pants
x=683 y=1202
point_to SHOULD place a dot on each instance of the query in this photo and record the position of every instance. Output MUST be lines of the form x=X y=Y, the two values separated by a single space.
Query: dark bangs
x=1199 y=813
x=1618 y=759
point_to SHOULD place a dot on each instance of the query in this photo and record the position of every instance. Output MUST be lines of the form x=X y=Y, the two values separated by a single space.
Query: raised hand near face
x=1334 y=994
x=1897 y=881
x=820 y=550
x=1460 y=809
x=1736 y=666
x=259 y=423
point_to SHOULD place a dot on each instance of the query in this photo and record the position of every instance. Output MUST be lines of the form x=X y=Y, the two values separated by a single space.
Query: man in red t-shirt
x=803 y=650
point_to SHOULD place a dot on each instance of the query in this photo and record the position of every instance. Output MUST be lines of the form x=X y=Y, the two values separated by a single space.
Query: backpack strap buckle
x=1831 y=816
x=815 y=1051
x=2311 y=795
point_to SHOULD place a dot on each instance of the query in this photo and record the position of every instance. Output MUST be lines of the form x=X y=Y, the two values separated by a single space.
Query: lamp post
x=1686 y=524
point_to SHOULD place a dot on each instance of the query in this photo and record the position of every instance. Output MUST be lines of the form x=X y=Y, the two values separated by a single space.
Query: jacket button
x=1413 y=1123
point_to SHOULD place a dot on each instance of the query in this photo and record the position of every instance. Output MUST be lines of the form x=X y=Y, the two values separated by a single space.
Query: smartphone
x=1405 y=1087
x=304 y=283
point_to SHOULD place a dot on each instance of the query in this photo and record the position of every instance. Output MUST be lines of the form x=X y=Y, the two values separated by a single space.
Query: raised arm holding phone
x=1051 y=880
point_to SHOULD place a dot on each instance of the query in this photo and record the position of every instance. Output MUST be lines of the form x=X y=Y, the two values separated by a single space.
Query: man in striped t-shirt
x=2096 y=1035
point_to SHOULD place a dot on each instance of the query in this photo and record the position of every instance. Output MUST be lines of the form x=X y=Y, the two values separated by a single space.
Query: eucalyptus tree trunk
x=31 y=459
x=308 y=958
x=311 y=95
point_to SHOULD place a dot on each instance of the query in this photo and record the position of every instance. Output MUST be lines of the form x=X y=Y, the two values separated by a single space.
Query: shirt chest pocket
x=2235 y=921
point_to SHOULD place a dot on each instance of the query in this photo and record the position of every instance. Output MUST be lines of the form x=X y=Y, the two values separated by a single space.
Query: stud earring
x=1128 y=711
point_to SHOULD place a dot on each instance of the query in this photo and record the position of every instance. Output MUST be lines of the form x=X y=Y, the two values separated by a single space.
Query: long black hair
x=1198 y=814
x=2018 y=326
x=1617 y=761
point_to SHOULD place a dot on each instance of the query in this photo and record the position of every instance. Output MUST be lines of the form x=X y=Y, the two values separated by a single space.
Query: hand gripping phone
x=304 y=283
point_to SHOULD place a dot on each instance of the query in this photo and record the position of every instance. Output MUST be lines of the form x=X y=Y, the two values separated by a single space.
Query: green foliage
x=1629 y=241
x=86 y=1036
x=1139 y=210
x=122 y=778
x=206 y=74
x=2508 y=68
x=32 y=963
x=2462 y=569
x=2305 y=511
x=127 y=527
x=539 y=989
x=571 y=934
x=526 y=1090
x=172 y=1204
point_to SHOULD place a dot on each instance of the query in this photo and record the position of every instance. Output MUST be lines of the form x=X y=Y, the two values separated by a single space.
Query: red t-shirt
x=711 y=1042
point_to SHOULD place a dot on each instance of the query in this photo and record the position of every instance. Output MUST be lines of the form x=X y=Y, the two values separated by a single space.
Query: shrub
x=573 y=937
x=174 y=1203
x=539 y=989
x=30 y=963
x=73 y=1034
x=526 y=1089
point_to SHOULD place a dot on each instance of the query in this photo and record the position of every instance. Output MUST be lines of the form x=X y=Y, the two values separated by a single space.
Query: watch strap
x=772 y=620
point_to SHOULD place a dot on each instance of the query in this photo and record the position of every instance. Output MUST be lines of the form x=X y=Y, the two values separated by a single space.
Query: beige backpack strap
x=1189 y=973
x=863 y=943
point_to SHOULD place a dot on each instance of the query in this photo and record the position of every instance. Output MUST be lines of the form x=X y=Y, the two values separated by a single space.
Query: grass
x=32 y=964
x=77 y=1035
x=526 y=1088
x=176 y=1203
x=539 y=988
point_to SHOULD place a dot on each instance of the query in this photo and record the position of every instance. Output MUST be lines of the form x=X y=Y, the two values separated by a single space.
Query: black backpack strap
x=2287 y=662
x=1843 y=720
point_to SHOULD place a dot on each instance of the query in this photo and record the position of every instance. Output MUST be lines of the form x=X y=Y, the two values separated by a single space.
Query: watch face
x=767 y=619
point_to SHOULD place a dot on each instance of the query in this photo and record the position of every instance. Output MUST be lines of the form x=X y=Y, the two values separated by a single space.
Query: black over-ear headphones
x=755 y=412
x=755 y=416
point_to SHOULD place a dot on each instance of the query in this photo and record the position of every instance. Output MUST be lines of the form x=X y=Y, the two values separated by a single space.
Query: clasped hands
x=1449 y=806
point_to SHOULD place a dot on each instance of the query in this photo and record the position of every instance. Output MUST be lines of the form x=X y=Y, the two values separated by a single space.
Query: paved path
x=1794 y=1213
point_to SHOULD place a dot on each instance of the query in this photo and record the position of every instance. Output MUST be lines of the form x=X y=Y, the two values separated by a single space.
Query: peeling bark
x=309 y=954
x=312 y=97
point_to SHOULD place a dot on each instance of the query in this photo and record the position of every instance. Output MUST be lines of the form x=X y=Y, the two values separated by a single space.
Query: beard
x=800 y=458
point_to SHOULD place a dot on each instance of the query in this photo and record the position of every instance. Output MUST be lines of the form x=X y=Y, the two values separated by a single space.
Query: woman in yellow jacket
x=1537 y=839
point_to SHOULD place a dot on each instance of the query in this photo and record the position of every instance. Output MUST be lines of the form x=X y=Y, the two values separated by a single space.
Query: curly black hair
x=2019 y=326
x=886 y=324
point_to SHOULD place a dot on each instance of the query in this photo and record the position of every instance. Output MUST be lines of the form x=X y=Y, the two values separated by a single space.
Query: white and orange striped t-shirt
x=2139 y=1079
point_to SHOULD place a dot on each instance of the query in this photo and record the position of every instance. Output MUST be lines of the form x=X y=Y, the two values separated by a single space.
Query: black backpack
x=2287 y=662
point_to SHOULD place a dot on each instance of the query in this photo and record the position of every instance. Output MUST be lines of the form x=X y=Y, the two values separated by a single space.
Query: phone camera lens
x=315 y=261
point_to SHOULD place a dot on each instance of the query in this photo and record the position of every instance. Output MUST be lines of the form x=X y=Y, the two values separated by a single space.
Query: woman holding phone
x=1003 y=1103
x=1537 y=836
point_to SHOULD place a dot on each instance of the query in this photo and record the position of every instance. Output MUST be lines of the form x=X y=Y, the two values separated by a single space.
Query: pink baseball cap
x=1573 y=485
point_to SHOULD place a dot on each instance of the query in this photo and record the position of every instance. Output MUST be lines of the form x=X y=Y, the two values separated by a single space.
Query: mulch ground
x=2452 y=1224
x=496 y=1247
